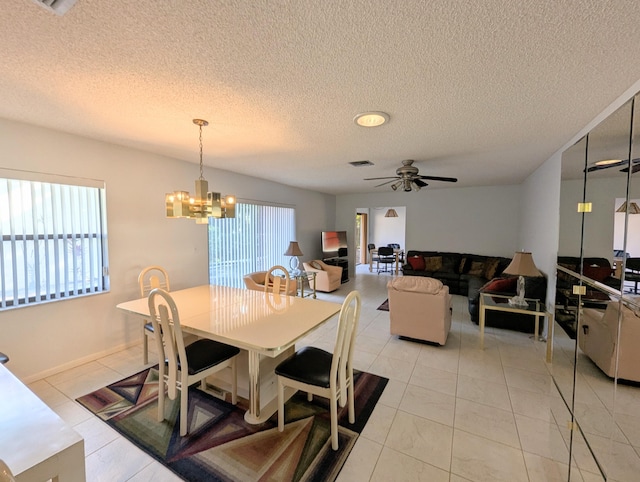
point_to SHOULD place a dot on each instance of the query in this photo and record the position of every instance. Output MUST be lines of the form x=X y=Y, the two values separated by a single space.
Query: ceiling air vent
x=361 y=163
x=59 y=7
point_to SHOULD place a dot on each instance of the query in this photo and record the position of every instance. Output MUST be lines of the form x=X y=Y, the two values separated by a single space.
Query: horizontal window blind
x=254 y=240
x=53 y=241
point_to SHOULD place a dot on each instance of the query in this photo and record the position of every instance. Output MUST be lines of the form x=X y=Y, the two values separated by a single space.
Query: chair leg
x=145 y=345
x=334 y=420
x=351 y=400
x=280 y=405
x=184 y=408
x=309 y=397
x=234 y=381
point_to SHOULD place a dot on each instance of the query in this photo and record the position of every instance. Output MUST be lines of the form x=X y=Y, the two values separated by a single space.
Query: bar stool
x=3 y=358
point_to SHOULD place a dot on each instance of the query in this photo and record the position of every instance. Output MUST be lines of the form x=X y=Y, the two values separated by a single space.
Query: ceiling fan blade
x=420 y=183
x=378 y=178
x=438 y=178
x=387 y=182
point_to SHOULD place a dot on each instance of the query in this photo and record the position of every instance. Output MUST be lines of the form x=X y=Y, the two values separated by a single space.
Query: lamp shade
x=293 y=249
x=633 y=208
x=522 y=265
x=391 y=213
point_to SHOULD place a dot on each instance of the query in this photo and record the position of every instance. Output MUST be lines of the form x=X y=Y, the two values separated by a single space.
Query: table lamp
x=521 y=265
x=294 y=251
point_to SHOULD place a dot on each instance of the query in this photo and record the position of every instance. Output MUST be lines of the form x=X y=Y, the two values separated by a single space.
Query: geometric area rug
x=220 y=445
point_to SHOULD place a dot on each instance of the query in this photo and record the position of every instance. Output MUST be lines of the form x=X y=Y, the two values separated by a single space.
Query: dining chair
x=150 y=278
x=321 y=373
x=3 y=358
x=386 y=257
x=277 y=280
x=374 y=257
x=189 y=364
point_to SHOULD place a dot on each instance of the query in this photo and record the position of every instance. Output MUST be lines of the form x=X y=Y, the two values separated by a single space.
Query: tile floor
x=454 y=413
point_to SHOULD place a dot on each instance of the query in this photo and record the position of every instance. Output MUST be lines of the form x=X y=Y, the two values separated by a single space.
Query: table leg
x=481 y=323
x=253 y=414
x=550 y=329
x=370 y=261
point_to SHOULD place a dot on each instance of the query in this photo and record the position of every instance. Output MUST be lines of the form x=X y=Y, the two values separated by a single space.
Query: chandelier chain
x=201 y=175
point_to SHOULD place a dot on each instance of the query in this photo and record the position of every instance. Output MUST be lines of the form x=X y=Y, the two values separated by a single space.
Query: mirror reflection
x=595 y=367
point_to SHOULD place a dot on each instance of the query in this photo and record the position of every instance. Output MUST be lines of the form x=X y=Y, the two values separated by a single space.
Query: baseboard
x=76 y=363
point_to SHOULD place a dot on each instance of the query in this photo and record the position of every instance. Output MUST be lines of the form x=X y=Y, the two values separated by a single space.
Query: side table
x=310 y=278
x=534 y=307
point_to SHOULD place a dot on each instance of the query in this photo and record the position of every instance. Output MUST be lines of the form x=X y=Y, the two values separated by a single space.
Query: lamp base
x=518 y=300
x=293 y=264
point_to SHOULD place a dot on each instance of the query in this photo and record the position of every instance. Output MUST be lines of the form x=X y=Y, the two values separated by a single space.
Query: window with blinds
x=53 y=238
x=254 y=240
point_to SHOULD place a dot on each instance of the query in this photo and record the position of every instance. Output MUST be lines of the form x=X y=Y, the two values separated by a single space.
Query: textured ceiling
x=481 y=90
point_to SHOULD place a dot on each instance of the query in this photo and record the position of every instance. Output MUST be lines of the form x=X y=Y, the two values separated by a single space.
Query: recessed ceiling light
x=371 y=119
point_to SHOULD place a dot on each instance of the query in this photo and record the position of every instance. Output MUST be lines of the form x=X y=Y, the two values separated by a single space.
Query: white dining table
x=266 y=325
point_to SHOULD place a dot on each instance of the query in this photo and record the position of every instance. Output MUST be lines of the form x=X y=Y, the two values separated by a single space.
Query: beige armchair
x=420 y=308
x=328 y=277
x=598 y=338
x=255 y=281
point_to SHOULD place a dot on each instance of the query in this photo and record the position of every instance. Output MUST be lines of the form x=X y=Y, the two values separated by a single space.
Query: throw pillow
x=597 y=273
x=464 y=265
x=490 y=268
x=477 y=268
x=316 y=265
x=501 y=285
x=417 y=263
x=433 y=263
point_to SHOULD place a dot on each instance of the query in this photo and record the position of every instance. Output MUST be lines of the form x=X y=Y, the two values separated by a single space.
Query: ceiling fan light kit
x=408 y=178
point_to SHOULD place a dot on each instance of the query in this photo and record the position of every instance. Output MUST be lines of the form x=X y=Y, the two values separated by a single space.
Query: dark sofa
x=466 y=274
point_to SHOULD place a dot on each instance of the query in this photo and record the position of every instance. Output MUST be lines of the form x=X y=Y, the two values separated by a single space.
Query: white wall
x=383 y=231
x=479 y=220
x=45 y=338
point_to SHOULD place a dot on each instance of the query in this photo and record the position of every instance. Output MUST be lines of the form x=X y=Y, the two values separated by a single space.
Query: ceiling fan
x=408 y=178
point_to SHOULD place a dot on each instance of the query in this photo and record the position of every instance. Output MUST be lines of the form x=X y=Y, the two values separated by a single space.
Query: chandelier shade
x=203 y=204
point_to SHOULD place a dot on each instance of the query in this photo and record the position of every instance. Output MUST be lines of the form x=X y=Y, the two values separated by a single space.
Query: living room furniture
x=150 y=278
x=374 y=256
x=599 y=333
x=325 y=374
x=277 y=280
x=420 y=308
x=386 y=256
x=632 y=272
x=35 y=443
x=308 y=278
x=189 y=364
x=323 y=277
x=341 y=262
x=266 y=325
x=456 y=270
x=534 y=308
x=255 y=281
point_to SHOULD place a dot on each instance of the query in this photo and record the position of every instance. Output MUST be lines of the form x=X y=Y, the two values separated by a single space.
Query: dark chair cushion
x=203 y=354
x=309 y=365
x=148 y=327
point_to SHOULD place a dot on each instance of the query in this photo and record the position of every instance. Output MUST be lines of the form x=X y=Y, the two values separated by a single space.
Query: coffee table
x=534 y=307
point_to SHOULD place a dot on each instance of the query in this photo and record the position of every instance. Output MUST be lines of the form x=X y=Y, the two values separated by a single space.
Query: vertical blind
x=53 y=241
x=254 y=240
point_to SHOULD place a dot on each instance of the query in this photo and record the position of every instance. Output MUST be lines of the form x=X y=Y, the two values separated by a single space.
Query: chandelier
x=204 y=204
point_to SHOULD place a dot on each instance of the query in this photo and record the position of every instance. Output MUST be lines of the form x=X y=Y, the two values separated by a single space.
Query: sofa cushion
x=316 y=265
x=501 y=285
x=476 y=268
x=416 y=284
x=490 y=268
x=433 y=263
x=597 y=273
x=465 y=264
x=417 y=263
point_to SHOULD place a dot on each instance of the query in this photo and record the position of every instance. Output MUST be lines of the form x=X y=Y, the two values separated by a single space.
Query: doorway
x=361 y=237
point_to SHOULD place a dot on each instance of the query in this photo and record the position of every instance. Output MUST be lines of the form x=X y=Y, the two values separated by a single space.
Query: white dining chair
x=150 y=278
x=185 y=365
x=277 y=280
x=321 y=373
